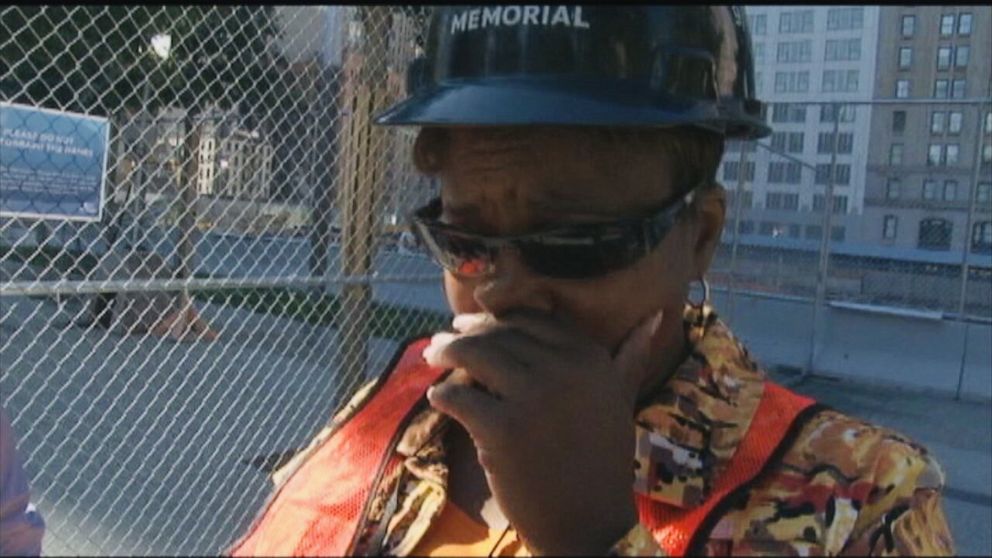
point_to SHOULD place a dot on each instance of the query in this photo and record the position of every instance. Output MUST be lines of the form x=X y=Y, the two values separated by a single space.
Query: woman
x=577 y=150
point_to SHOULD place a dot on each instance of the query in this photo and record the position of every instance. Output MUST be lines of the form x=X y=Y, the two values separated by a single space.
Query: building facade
x=804 y=54
x=922 y=178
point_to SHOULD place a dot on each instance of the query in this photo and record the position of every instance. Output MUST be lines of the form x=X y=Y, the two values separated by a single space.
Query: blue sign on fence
x=52 y=163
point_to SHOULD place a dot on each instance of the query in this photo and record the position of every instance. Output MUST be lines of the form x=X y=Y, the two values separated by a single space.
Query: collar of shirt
x=686 y=433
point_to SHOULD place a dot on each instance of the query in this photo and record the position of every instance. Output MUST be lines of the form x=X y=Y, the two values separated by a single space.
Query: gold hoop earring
x=706 y=294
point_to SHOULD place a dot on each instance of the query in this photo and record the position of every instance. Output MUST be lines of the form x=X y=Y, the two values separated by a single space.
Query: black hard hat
x=638 y=66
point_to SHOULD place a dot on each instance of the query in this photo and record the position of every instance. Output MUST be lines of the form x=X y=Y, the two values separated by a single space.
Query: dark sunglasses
x=571 y=252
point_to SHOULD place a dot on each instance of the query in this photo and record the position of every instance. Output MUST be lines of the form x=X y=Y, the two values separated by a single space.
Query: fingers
x=476 y=410
x=541 y=326
x=497 y=359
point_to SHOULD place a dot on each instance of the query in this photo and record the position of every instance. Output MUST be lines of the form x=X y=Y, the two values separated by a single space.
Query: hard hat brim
x=519 y=103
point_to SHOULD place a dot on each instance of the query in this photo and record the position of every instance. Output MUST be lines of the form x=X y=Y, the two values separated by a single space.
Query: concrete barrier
x=916 y=350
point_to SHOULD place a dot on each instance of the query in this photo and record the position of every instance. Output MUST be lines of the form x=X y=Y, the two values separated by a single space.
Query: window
x=895 y=154
x=731 y=170
x=822 y=173
x=845 y=142
x=776 y=172
x=940 y=88
x=937 y=122
x=908 y=25
x=842 y=49
x=935 y=155
x=759 y=24
x=983 y=193
x=987 y=153
x=958 y=89
x=847 y=113
x=843 y=177
x=796 y=22
x=943 y=57
x=950 y=190
x=746 y=227
x=964 y=24
x=889 y=226
x=788 y=112
x=902 y=88
x=898 y=121
x=778 y=141
x=779 y=200
x=845 y=18
x=837 y=234
x=930 y=189
x=988 y=122
x=951 y=157
x=758 y=52
x=790 y=202
x=794 y=51
x=794 y=230
x=839 y=80
x=905 y=58
x=795 y=142
x=981 y=237
x=793 y=173
x=825 y=143
x=792 y=82
x=814 y=231
x=961 y=55
x=935 y=234
x=954 y=120
x=840 y=203
x=946 y=25
x=892 y=188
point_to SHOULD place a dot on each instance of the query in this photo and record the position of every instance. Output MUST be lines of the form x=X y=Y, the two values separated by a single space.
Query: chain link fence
x=903 y=233
x=246 y=272
x=249 y=267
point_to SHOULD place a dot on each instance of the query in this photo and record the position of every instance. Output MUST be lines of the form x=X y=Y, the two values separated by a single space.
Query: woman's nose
x=512 y=286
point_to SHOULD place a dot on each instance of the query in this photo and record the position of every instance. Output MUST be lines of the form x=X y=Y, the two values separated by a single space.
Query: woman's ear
x=710 y=211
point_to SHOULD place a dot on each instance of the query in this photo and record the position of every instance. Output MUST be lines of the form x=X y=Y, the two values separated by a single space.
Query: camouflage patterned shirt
x=843 y=486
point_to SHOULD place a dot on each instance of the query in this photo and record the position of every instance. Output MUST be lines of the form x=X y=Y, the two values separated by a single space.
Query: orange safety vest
x=322 y=507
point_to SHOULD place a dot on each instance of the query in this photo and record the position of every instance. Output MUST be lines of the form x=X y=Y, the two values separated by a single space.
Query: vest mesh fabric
x=317 y=510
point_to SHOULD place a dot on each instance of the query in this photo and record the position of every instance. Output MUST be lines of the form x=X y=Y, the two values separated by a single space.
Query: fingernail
x=438 y=342
x=465 y=321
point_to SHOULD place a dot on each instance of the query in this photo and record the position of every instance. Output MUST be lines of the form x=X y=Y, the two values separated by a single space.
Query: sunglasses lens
x=581 y=260
x=464 y=256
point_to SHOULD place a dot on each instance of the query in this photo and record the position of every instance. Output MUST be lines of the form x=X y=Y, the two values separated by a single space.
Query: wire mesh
x=250 y=266
x=245 y=273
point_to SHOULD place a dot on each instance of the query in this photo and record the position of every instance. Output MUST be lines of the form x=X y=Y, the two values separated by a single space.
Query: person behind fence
x=588 y=399
x=21 y=525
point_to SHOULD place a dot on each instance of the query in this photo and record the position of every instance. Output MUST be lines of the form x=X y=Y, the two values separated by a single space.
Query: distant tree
x=94 y=59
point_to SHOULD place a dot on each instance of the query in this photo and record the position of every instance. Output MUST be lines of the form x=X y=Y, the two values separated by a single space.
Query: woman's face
x=511 y=181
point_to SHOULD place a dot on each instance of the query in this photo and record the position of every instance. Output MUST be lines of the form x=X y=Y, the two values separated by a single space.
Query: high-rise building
x=921 y=177
x=803 y=54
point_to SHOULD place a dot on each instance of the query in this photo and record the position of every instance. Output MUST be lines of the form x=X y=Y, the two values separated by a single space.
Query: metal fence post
x=362 y=142
x=821 y=275
x=966 y=250
x=738 y=202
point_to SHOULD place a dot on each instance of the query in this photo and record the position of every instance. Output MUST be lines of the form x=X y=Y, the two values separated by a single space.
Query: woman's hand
x=551 y=416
